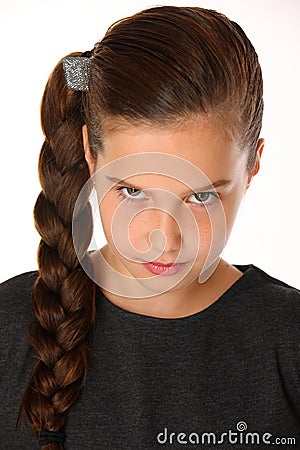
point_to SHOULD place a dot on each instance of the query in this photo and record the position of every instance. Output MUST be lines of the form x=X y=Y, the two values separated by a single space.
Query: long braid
x=63 y=296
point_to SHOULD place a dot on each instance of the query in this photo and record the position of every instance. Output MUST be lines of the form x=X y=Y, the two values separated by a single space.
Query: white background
x=35 y=34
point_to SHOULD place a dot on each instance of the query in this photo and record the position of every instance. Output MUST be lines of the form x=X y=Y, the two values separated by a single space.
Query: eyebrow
x=216 y=184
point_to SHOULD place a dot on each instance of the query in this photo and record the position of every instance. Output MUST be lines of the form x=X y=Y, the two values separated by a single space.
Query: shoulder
x=15 y=292
x=16 y=354
x=272 y=303
x=19 y=282
x=15 y=304
x=278 y=323
x=274 y=290
x=268 y=288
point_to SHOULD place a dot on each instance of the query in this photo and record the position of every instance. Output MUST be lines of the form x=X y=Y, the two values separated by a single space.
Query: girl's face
x=205 y=146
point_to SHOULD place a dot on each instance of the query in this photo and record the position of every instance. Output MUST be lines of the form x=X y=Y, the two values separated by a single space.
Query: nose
x=169 y=235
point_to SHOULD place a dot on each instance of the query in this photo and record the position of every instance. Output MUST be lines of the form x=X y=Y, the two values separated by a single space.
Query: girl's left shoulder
x=277 y=303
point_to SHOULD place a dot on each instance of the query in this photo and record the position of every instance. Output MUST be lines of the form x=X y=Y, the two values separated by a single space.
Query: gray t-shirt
x=227 y=377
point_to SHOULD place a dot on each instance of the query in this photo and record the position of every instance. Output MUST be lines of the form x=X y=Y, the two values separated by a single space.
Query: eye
x=204 y=198
x=130 y=192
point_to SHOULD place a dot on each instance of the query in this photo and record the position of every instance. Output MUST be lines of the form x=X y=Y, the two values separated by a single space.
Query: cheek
x=203 y=217
x=205 y=237
x=212 y=226
x=231 y=206
x=119 y=230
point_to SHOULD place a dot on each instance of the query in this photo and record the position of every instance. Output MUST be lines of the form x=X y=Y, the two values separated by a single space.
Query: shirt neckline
x=241 y=283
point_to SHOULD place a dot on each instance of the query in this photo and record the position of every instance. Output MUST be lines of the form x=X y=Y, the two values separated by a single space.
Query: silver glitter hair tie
x=77 y=71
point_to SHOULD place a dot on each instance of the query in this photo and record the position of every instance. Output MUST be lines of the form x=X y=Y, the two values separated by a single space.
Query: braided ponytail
x=63 y=297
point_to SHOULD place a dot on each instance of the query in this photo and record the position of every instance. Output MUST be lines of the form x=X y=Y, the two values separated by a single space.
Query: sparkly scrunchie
x=77 y=71
x=47 y=437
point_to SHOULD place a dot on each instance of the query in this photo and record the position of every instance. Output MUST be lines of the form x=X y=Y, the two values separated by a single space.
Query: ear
x=88 y=155
x=259 y=150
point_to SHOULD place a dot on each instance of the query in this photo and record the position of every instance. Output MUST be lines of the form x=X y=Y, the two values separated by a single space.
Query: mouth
x=158 y=268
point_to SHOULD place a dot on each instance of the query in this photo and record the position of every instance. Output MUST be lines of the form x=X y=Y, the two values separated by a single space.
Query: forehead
x=201 y=142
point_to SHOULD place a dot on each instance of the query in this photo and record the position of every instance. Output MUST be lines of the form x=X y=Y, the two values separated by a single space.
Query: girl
x=153 y=339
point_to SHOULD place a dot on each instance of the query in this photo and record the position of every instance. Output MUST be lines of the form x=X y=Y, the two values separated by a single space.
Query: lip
x=158 y=268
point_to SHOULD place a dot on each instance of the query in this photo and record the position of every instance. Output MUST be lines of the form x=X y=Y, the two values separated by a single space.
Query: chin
x=160 y=284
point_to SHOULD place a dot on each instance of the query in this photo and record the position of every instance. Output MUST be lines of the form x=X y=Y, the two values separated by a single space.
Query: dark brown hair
x=163 y=66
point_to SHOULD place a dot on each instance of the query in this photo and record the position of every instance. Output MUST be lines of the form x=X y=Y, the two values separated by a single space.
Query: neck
x=183 y=302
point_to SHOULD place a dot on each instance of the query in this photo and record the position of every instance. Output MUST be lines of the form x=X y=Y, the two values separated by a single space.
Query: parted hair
x=162 y=66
